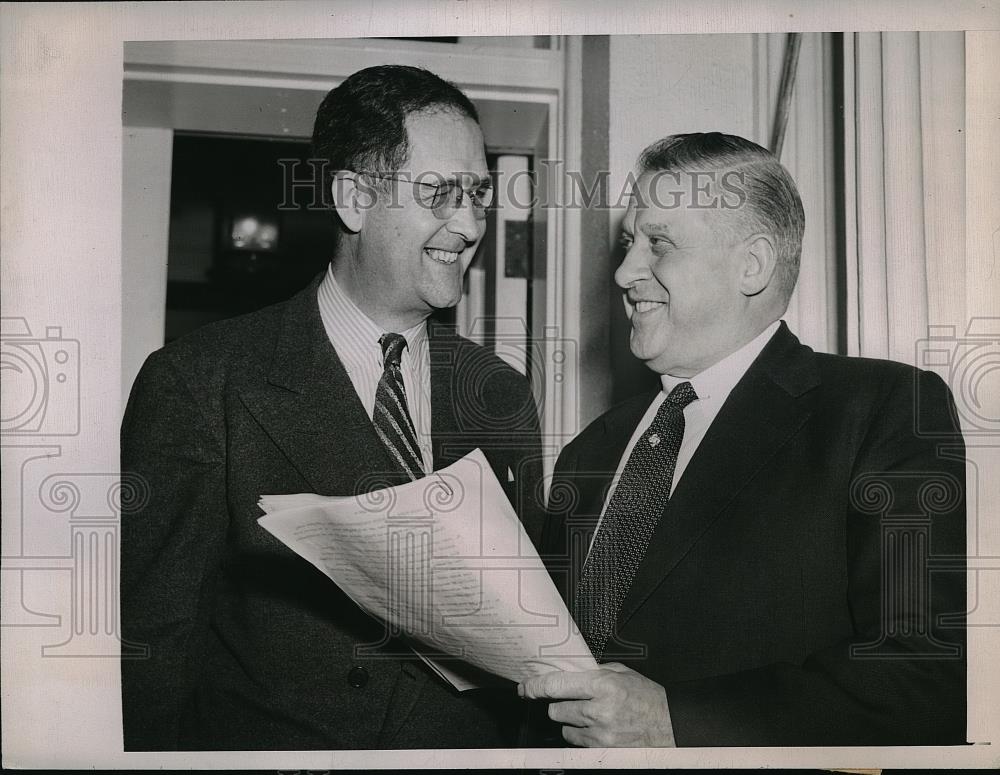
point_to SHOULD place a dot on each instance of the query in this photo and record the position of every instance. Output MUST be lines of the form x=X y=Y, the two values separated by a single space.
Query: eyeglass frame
x=478 y=207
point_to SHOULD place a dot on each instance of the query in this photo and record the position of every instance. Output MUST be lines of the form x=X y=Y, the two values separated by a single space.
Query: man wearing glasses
x=345 y=388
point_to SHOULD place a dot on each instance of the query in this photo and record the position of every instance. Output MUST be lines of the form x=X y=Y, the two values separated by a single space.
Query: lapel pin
x=654 y=439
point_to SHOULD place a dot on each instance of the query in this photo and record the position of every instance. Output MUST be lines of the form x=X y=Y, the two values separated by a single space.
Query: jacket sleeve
x=900 y=679
x=171 y=540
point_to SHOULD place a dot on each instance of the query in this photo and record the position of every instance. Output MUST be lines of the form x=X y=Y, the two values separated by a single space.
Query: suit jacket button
x=357 y=677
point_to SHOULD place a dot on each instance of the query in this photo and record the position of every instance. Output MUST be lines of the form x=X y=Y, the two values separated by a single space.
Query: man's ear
x=351 y=198
x=759 y=262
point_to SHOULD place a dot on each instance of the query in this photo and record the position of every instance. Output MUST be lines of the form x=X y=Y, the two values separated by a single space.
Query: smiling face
x=681 y=279
x=407 y=261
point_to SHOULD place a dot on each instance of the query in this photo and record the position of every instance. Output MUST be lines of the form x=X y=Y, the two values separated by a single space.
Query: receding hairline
x=431 y=111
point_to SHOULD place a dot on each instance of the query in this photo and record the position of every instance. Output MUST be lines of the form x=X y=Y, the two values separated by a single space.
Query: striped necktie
x=391 y=416
x=639 y=499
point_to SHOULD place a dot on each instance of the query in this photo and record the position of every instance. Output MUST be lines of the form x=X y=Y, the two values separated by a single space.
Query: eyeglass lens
x=449 y=196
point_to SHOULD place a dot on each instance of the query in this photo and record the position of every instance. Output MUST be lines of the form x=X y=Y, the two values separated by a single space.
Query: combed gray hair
x=772 y=203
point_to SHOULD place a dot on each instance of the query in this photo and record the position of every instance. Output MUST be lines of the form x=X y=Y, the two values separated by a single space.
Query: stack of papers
x=444 y=561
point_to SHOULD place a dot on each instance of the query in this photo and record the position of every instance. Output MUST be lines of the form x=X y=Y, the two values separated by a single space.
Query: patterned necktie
x=638 y=501
x=391 y=417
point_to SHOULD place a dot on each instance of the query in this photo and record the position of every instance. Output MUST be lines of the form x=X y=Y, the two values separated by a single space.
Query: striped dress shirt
x=355 y=338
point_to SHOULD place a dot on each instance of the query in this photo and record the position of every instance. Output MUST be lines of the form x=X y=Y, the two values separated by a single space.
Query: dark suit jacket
x=250 y=646
x=805 y=584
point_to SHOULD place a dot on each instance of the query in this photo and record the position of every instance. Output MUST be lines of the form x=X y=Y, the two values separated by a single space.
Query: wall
x=146 y=157
x=589 y=262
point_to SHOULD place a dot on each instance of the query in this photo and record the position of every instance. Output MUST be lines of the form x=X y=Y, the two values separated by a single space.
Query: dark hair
x=772 y=201
x=361 y=124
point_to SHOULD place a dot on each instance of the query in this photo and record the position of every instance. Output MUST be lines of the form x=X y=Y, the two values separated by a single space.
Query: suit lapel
x=762 y=413
x=447 y=442
x=309 y=408
x=460 y=418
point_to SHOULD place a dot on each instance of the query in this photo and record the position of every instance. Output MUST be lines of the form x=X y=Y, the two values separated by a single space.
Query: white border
x=60 y=151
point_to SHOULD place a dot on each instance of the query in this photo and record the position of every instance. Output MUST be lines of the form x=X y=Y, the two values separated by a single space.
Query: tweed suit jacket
x=250 y=647
x=805 y=584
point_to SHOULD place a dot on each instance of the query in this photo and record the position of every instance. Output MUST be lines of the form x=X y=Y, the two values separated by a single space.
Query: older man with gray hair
x=748 y=550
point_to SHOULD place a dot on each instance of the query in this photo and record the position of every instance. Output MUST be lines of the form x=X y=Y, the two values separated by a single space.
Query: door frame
x=259 y=87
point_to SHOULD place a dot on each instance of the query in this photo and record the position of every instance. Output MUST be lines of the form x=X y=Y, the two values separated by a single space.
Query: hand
x=612 y=707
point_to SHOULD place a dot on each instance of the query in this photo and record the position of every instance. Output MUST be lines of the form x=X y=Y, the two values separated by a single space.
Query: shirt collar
x=717 y=381
x=353 y=334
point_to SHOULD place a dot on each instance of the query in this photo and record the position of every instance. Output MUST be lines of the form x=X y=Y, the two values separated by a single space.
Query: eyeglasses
x=444 y=199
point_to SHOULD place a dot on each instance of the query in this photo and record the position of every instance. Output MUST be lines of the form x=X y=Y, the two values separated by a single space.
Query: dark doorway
x=240 y=238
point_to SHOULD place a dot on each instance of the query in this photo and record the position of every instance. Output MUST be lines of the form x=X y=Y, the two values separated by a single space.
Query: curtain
x=904 y=192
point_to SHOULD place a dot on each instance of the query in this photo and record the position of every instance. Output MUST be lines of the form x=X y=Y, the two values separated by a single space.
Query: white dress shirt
x=713 y=386
x=355 y=338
